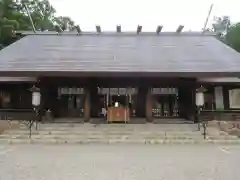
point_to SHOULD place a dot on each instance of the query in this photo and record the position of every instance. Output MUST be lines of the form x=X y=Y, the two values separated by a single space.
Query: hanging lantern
x=36 y=96
x=200 y=96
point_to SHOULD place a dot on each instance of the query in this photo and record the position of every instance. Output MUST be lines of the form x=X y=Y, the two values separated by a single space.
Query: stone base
x=231 y=127
x=6 y=125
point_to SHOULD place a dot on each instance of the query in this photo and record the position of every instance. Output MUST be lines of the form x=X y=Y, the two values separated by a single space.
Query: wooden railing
x=16 y=114
x=223 y=115
x=25 y=116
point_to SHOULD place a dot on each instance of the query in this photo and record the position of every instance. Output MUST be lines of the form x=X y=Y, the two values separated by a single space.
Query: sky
x=148 y=13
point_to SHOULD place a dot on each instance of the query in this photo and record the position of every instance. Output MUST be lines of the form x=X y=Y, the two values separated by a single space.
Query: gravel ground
x=119 y=162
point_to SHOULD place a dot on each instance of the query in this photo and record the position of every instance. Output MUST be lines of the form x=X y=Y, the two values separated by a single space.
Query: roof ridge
x=112 y=33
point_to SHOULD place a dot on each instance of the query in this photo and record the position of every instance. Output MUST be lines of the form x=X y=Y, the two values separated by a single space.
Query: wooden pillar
x=149 y=106
x=87 y=105
x=193 y=104
x=140 y=103
x=226 y=98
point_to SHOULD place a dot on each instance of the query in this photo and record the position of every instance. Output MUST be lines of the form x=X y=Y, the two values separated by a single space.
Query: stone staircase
x=73 y=133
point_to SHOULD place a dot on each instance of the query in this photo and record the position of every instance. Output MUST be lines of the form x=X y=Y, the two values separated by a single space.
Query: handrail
x=15 y=110
x=204 y=129
x=30 y=122
x=225 y=115
x=222 y=111
x=202 y=122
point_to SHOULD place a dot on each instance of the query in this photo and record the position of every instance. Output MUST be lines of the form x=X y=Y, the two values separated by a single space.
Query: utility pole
x=29 y=16
x=207 y=19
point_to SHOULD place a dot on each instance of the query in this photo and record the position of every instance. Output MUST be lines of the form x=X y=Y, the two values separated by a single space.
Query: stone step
x=93 y=136
x=118 y=137
x=128 y=126
x=160 y=133
x=95 y=127
x=116 y=133
x=100 y=136
x=116 y=141
x=104 y=130
x=140 y=134
x=222 y=137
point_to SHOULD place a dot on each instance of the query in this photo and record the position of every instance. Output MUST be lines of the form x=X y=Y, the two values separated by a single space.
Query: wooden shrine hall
x=118 y=76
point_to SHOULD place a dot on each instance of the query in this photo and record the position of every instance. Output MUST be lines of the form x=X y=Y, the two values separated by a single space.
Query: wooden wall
x=49 y=87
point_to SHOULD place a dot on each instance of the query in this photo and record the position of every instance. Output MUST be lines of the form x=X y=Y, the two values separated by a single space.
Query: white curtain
x=234 y=98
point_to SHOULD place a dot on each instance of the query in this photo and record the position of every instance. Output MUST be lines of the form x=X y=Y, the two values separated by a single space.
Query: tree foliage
x=13 y=16
x=233 y=36
x=221 y=25
x=8 y=20
x=227 y=32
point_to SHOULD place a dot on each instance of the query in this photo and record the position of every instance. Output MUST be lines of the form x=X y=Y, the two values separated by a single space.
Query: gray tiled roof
x=119 y=53
x=220 y=80
x=18 y=79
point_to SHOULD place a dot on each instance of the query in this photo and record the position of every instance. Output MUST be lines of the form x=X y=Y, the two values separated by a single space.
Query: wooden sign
x=131 y=91
x=122 y=91
x=114 y=91
x=71 y=90
x=164 y=91
x=103 y=90
x=117 y=91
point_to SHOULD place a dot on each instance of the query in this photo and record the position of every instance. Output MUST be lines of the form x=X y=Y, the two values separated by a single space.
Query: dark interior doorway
x=165 y=105
x=97 y=103
x=121 y=99
x=71 y=106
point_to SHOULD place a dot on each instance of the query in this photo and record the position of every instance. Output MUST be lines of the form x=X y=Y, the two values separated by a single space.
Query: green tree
x=42 y=13
x=44 y=18
x=227 y=32
x=9 y=12
x=14 y=16
x=65 y=23
x=221 y=25
x=233 y=36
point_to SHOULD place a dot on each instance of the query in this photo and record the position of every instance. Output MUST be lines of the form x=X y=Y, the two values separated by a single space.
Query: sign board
x=117 y=91
x=164 y=91
x=131 y=91
x=122 y=91
x=71 y=90
x=114 y=91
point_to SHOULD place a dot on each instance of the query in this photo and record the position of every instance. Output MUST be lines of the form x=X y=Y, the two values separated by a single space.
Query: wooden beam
x=98 y=28
x=118 y=28
x=139 y=29
x=180 y=28
x=159 y=29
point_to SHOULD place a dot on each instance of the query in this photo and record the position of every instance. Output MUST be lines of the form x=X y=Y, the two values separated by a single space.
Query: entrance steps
x=116 y=133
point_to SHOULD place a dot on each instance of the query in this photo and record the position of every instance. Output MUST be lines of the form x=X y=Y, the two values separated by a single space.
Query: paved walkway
x=119 y=162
